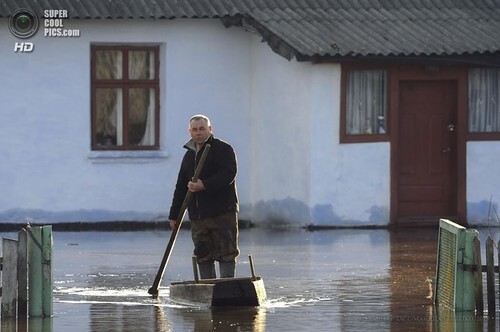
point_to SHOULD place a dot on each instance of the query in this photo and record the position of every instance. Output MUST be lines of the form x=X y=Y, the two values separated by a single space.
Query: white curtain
x=141 y=65
x=366 y=102
x=109 y=65
x=484 y=100
x=109 y=101
x=142 y=110
x=109 y=116
x=117 y=116
x=149 y=132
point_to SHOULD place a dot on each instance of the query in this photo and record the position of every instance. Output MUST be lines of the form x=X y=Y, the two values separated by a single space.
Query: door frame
x=429 y=72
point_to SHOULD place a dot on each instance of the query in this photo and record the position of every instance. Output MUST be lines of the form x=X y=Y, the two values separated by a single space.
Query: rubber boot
x=227 y=269
x=207 y=270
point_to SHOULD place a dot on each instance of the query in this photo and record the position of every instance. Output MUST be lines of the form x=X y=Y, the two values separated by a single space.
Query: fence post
x=469 y=300
x=498 y=266
x=22 y=274
x=9 y=278
x=47 y=270
x=35 y=271
x=490 y=277
x=478 y=276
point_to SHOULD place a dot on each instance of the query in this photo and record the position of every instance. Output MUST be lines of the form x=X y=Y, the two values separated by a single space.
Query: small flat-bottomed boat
x=223 y=292
x=220 y=292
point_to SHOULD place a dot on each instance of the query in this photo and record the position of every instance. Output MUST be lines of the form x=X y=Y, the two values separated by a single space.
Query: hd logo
x=23 y=23
x=23 y=47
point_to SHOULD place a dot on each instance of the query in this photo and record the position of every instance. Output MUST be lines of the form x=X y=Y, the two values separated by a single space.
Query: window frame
x=125 y=84
x=362 y=138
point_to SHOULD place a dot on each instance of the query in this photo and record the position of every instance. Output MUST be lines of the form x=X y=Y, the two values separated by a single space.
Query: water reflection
x=223 y=319
x=37 y=324
x=161 y=319
x=445 y=319
x=413 y=264
x=116 y=317
x=109 y=316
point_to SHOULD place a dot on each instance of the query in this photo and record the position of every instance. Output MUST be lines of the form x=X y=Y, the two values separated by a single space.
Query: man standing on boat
x=213 y=209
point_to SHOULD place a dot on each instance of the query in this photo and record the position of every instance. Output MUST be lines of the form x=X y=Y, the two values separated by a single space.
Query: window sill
x=485 y=136
x=364 y=138
x=127 y=156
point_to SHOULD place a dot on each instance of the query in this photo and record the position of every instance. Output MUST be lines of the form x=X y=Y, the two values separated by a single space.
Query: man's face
x=199 y=130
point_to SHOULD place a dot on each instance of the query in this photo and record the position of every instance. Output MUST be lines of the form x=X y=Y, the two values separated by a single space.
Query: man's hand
x=196 y=186
x=173 y=224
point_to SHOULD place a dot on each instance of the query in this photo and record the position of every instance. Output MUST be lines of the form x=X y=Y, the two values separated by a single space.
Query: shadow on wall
x=274 y=213
x=82 y=215
x=483 y=213
x=282 y=212
x=290 y=212
x=379 y=215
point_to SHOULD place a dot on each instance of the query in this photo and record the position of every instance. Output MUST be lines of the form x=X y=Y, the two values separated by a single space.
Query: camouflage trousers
x=216 y=239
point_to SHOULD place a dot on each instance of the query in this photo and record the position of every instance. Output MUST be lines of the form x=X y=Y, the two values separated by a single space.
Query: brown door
x=427 y=151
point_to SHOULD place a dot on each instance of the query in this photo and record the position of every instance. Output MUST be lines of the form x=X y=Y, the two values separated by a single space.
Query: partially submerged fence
x=27 y=268
x=459 y=271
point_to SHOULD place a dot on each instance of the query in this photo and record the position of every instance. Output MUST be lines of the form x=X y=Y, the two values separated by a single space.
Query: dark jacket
x=218 y=176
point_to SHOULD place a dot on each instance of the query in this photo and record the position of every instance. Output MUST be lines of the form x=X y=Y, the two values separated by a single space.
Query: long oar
x=156 y=284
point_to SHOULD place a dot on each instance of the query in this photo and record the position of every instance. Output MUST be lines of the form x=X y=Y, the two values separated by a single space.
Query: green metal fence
x=26 y=270
x=455 y=287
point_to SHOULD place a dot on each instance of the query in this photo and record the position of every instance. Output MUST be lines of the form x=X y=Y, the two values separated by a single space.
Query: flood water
x=336 y=280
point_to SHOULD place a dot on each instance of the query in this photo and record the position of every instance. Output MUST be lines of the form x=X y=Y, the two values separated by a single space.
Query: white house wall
x=483 y=183
x=351 y=181
x=48 y=172
x=280 y=138
x=300 y=172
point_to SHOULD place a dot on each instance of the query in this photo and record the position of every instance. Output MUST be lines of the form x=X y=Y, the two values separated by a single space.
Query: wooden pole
x=252 y=268
x=195 y=269
x=35 y=271
x=153 y=290
x=47 y=271
x=490 y=277
x=9 y=278
x=478 y=277
x=22 y=275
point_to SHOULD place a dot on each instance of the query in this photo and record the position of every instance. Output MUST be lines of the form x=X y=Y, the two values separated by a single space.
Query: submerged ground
x=335 y=280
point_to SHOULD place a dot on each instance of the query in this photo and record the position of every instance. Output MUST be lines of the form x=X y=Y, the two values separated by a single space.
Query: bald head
x=200 y=129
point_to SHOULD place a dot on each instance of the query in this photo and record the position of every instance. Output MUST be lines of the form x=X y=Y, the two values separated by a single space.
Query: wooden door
x=427 y=167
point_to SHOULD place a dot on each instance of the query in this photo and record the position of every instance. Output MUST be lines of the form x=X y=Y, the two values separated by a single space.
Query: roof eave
x=277 y=44
x=490 y=59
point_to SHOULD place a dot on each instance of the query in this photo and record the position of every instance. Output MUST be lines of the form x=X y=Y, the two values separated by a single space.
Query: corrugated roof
x=311 y=29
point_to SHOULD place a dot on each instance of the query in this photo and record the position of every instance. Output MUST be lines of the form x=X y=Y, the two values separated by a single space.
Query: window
x=125 y=97
x=364 y=107
x=484 y=100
